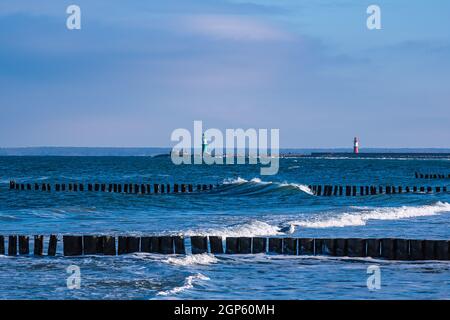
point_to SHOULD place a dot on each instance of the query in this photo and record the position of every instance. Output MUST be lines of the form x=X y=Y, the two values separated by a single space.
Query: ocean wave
x=277 y=186
x=189 y=260
x=366 y=213
x=188 y=284
x=251 y=229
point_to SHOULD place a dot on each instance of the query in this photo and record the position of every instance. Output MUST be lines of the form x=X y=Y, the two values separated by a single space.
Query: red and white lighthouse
x=356 y=145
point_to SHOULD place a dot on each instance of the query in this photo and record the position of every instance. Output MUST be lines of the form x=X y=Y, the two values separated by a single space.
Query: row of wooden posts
x=388 y=248
x=431 y=176
x=329 y=190
x=111 y=187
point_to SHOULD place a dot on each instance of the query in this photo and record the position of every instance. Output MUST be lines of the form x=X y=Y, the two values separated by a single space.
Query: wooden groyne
x=79 y=245
x=349 y=191
x=432 y=175
x=132 y=188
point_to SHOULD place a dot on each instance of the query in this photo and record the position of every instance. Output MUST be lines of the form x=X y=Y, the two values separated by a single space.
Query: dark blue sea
x=243 y=204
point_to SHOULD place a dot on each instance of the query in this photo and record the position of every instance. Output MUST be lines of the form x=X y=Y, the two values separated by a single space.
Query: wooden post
x=259 y=245
x=354 y=191
x=2 y=245
x=52 y=243
x=12 y=245
x=417 y=249
x=429 y=249
x=319 y=190
x=122 y=242
x=290 y=246
x=356 y=247
x=133 y=244
x=146 y=244
x=156 y=188
x=329 y=247
x=179 y=245
x=190 y=188
x=24 y=245
x=75 y=187
x=275 y=245
x=373 y=248
x=388 y=248
x=216 y=244
x=199 y=244
x=125 y=188
x=183 y=187
x=73 y=245
x=109 y=245
x=401 y=249
x=166 y=245
x=305 y=246
x=81 y=187
x=97 y=187
x=244 y=245
x=442 y=250
x=128 y=244
x=92 y=245
x=232 y=245
x=318 y=246
x=175 y=188
x=341 y=247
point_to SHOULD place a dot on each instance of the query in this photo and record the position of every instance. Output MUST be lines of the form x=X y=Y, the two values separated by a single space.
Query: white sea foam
x=188 y=284
x=250 y=229
x=189 y=260
x=258 y=181
x=301 y=187
x=365 y=214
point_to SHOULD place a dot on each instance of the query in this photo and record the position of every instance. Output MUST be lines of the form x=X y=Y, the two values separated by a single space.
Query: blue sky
x=137 y=70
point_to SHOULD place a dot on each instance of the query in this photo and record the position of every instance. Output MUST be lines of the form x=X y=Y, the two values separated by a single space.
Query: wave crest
x=188 y=284
x=365 y=214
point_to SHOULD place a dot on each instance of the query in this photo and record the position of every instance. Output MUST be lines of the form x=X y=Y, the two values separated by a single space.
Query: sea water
x=243 y=204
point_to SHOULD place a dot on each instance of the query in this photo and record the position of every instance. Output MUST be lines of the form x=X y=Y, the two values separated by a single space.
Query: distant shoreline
x=284 y=152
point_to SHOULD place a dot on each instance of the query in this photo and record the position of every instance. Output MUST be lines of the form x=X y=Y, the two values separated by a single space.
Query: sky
x=137 y=70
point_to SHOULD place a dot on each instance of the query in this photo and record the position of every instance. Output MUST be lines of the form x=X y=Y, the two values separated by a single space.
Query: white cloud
x=233 y=28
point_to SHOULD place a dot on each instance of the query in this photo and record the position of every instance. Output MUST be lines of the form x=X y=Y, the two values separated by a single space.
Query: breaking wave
x=252 y=229
x=189 y=260
x=361 y=217
x=188 y=284
x=256 y=184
